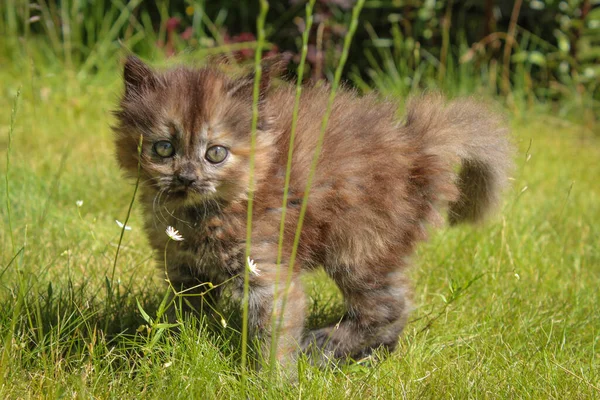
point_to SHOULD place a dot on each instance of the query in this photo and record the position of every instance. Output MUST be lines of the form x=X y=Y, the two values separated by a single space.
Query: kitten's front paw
x=322 y=346
x=317 y=338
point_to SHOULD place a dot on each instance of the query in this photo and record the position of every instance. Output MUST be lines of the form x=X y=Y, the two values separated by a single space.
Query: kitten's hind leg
x=377 y=309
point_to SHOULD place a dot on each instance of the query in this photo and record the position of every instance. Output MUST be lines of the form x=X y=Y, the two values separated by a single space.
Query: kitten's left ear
x=272 y=67
x=137 y=76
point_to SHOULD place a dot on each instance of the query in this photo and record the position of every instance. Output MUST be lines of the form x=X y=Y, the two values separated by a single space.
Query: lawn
x=507 y=309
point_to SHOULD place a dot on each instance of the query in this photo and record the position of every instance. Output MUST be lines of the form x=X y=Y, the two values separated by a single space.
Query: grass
x=509 y=309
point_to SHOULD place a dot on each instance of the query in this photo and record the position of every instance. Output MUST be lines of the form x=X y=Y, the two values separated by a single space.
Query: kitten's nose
x=186 y=179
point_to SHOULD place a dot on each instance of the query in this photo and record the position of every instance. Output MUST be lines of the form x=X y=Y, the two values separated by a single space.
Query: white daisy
x=121 y=225
x=79 y=203
x=174 y=234
x=252 y=267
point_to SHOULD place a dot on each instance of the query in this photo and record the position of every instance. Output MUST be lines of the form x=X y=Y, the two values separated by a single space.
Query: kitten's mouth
x=190 y=193
x=178 y=194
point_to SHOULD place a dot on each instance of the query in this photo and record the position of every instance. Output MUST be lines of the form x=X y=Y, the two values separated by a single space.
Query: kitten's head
x=195 y=126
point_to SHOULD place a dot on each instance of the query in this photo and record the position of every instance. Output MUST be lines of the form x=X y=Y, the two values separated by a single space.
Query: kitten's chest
x=210 y=245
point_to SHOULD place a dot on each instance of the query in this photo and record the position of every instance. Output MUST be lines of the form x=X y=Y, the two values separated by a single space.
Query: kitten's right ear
x=271 y=67
x=138 y=76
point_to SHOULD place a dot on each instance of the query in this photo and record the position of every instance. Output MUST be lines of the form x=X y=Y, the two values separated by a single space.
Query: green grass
x=508 y=309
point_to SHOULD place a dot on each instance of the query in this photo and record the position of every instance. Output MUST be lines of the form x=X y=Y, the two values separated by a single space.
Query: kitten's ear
x=272 y=67
x=137 y=76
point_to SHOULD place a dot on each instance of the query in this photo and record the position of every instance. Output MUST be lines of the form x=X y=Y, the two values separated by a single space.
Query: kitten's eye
x=164 y=148
x=216 y=154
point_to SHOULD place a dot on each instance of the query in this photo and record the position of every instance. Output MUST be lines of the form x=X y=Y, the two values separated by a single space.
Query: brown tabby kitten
x=378 y=182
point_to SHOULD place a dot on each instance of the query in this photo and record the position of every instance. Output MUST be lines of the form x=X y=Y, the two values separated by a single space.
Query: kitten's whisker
x=156 y=203
x=218 y=206
x=160 y=213
x=148 y=180
x=205 y=211
x=189 y=224
x=158 y=183
x=154 y=209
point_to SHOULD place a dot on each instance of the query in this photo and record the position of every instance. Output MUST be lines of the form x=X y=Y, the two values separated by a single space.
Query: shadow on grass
x=71 y=321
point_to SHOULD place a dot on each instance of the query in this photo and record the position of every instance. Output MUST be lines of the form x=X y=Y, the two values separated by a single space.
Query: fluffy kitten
x=378 y=182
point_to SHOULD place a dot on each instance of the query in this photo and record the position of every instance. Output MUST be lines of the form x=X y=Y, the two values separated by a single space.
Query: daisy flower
x=121 y=225
x=79 y=203
x=173 y=234
x=252 y=267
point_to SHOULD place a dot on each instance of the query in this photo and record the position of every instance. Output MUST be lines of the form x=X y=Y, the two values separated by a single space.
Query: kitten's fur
x=378 y=182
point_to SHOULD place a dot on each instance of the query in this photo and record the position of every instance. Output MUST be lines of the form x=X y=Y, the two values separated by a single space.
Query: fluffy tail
x=465 y=133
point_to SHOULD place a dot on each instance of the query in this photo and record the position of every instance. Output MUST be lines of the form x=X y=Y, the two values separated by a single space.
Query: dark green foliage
x=458 y=46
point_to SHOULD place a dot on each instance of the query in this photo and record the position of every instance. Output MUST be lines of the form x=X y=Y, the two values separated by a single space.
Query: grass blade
x=334 y=86
x=260 y=24
x=110 y=284
x=276 y=325
x=13 y=117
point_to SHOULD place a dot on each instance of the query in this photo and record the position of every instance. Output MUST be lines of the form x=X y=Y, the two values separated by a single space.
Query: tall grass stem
x=510 y=39
x=137 y=184
x=334 y=87
x=260 y=27
x=305 y=36
x=13 y=117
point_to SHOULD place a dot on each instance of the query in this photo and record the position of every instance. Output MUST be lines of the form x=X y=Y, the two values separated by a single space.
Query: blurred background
x=530 y=52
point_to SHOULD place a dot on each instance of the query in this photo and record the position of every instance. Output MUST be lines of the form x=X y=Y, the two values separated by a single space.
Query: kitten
x=378 y=182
